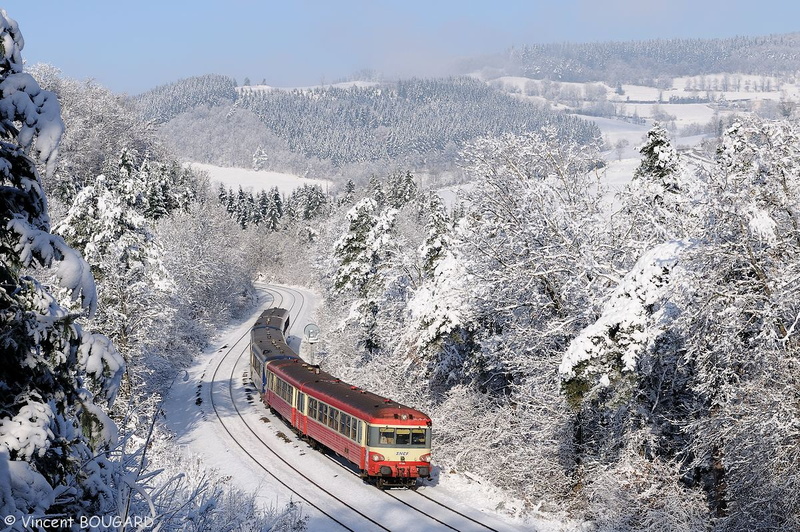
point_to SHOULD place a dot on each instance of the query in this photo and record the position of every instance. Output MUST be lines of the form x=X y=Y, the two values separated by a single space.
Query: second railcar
x=268 y=343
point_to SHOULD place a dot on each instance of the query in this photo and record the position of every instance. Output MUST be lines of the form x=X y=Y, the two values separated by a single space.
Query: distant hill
x=651 y=62
x=362 y=123
x=409 y=117
x=168 y=101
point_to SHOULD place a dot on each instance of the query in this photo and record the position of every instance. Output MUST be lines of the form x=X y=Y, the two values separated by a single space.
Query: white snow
x=28 y=433
x=200 y=433
x=72 y=270
x=257 y=180
x=627 y=311
x=762 y=225
x=29 y=487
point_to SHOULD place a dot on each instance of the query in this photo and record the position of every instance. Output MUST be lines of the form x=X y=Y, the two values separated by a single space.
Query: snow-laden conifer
x=127 y=260
x=658 y=205
x=53 y=435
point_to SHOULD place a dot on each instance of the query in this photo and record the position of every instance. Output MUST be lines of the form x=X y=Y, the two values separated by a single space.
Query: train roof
x=348 y=398
x=274 y=318
x=270 y=343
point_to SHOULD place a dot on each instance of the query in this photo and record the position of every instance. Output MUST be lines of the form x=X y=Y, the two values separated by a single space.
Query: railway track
x=350 y=508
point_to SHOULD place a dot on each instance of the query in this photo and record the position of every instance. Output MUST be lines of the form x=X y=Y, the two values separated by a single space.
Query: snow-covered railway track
x=457 y=520
x=237 y=351
x=343 y=500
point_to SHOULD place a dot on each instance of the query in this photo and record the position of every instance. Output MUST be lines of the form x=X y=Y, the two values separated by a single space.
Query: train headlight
x=426 y=457
x=376 y=457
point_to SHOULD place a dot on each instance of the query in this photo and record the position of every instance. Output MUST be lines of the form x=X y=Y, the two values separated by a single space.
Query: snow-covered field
x=257 y=180
x=341 y=85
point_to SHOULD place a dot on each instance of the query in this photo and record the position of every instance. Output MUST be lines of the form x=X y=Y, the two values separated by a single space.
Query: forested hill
x=415 y=116
x=167 y=101
x=648 y=62
x=389 y=121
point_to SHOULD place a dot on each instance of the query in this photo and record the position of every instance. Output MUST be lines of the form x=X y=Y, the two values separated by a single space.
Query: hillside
x=652 y=63
x=409 y=121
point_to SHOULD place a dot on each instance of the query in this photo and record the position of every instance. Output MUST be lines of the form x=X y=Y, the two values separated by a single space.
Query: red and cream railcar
x=388 y=442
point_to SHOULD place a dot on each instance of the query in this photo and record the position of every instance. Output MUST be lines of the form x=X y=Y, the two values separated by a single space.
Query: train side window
x=333 y=422
x=301 y=402
x=312 y=408
x=324 y=414
x=360 y=431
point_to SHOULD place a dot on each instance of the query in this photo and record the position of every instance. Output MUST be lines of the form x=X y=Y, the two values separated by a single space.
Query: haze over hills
x=691 y=85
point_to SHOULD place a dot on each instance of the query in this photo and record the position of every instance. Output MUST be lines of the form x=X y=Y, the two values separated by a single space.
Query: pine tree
x=375 y=191
x=243 y=207
x=362 y=254
x=53 y=432
x=352 y=248
x=126 y=260
x=437 y=240
x=401 y=189
x=657 y=205
x=230 y=202
x=660 y=162
x=222 y=194
x=349 y=193
x=272 y=208
x=260 y=159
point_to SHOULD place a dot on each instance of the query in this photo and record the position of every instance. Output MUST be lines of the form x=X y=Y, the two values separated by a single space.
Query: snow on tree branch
x=612 y=345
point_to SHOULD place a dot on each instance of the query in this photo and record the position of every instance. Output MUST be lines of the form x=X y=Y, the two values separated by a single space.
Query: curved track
x=353 y=505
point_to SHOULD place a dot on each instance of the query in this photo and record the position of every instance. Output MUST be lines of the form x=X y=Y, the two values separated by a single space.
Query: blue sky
x=131 y=46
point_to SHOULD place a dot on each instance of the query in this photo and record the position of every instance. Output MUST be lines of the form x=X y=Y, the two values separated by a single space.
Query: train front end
x=398 y=449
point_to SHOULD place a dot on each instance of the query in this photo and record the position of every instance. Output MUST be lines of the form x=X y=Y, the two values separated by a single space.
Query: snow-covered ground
x=340 y=85
x=215 y=416
x=257 y=180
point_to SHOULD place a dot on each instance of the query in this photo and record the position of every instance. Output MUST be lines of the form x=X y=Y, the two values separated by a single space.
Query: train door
x=263 y=382
x=269 y=386
x=300 y=412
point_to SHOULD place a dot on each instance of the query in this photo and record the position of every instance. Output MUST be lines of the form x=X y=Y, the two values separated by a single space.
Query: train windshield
x=398 y=437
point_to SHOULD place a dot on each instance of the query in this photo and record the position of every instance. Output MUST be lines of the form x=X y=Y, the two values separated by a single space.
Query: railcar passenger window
x=418 y=437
